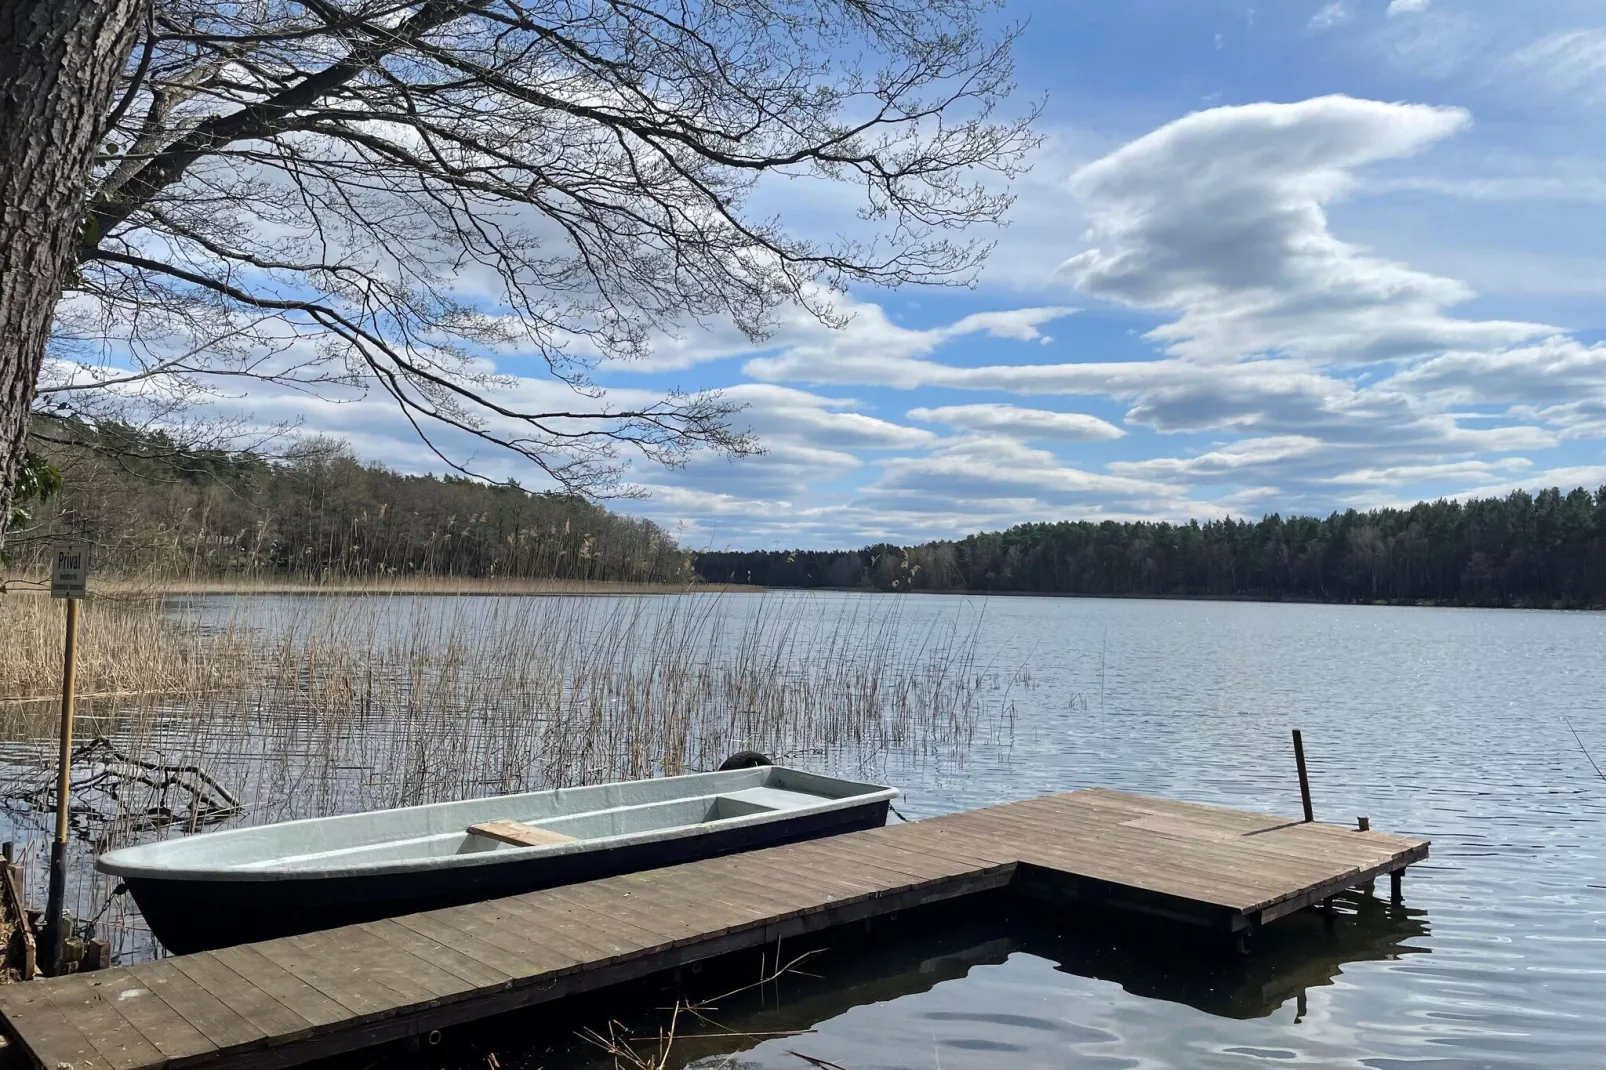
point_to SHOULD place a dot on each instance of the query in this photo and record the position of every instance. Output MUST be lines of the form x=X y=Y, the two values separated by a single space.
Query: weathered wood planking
x=518 y=833
x=283 y=1002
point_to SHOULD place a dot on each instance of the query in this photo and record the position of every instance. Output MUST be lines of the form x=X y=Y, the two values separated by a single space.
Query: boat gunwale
x=109 y=863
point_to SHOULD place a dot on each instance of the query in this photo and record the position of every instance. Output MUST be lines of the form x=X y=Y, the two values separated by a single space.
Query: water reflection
x=880 y=971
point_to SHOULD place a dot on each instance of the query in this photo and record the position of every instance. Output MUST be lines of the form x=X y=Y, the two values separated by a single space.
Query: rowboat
x=221 y=888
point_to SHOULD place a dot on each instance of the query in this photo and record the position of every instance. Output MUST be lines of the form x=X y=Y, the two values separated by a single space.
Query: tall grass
x=127 y=644
x=340 y=704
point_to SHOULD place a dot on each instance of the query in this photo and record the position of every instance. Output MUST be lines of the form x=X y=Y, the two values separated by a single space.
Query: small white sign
x=72 y=568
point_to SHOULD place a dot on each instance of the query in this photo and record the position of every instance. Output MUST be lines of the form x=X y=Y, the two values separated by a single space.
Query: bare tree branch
x=355 y=196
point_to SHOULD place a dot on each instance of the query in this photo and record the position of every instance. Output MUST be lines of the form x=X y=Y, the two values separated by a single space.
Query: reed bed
x=340 y=704
x=128 y=645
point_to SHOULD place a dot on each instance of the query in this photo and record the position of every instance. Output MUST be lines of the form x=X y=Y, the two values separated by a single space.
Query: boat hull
x=192 y=914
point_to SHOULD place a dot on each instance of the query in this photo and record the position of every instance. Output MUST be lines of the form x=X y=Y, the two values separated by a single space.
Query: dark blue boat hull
x=200 y=915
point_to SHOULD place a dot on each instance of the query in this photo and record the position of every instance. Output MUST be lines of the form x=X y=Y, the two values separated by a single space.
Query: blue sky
x=1293 y=256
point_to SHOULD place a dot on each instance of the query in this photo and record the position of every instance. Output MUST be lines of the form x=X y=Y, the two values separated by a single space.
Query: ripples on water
x=1447 y=724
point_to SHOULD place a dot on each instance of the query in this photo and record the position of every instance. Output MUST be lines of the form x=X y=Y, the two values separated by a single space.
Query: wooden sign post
x=66 y=581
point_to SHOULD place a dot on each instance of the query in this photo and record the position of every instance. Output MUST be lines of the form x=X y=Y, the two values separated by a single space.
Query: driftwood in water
x=103 y=777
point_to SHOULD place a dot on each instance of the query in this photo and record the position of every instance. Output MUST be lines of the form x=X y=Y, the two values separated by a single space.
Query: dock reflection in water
x=978 y=983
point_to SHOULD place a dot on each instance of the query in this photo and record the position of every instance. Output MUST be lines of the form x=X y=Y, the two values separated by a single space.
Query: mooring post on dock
x=1304 y=778
x=66 y=581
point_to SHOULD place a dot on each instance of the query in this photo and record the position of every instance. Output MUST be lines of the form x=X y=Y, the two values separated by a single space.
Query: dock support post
x=1304 y=777
x=1395 y=895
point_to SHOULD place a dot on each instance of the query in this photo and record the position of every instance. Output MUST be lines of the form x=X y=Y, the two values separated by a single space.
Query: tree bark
x=59 y=66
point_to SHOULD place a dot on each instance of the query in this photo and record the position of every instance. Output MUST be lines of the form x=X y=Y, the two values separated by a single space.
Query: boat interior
x=561 y=820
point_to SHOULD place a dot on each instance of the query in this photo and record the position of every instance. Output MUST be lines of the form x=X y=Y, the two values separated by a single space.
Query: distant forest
x=150 y=506
x=1520 y=550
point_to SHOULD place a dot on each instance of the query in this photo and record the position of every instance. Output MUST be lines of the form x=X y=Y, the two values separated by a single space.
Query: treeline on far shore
x=1547 y=549
x=153 y=508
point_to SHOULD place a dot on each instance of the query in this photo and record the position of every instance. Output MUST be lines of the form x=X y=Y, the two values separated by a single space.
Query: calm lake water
x=1442 y=723
x=1447 y=724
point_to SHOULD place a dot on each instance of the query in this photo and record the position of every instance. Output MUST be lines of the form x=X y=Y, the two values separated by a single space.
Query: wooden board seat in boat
x=518 y=833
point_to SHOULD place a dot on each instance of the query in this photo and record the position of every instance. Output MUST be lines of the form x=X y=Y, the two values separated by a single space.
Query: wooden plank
x=887 y=876
x=291 y=991
x=1170 y=868
x=1245 y=875
x=222 y=1026
x=320 y=960
x=941 y=849
x=741 y=884
x=467 y=969
x=119 y=1044
x=681 y=894
x=783 y=903
x=789 y=896
x=1310 y=897
x=1117 y=844
x=260 y=1009
x=604 y=906
x=1182 y=828
x=837 y=882
x=168 y=1031
x=518 y=833
x=921 y=865
x=1110 y=801
x=516 y=964
x=505 y=923
x=412 y=977
x=45 y=1032
x=967 y=844
x=574 y=933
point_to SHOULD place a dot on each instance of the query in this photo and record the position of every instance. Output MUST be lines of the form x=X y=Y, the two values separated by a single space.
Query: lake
x=1443 y=723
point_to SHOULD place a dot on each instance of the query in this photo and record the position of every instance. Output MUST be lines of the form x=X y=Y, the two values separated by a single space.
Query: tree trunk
x=59 y=65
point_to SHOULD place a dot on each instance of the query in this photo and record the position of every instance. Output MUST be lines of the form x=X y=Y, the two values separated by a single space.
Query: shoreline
x=444 y=586
x=1291 y=600
x=466 y=587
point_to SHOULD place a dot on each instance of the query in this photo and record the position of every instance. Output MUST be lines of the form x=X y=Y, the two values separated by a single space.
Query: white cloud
x=1012 y=420
x=782 y=414
x=1229 y=459
x=1442 y=41
x=1329 y=16
x=1588 y=476
x=1454 y=471
x=1555 y=370
x=1003 y=475
x=783 y=474
x=1407 y=7
x=1545 y=179
x=1219 y=217
x=873 y=349
x=1572 y=63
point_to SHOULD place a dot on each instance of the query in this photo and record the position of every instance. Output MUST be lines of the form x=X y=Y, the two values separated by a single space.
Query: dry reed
x=343 y=704
x=127 y=645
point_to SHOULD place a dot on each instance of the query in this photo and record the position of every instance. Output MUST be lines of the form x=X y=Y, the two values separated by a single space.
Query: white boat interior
x=479 y=831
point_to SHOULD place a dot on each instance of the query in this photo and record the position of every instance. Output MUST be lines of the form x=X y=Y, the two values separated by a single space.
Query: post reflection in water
x=818 y=1010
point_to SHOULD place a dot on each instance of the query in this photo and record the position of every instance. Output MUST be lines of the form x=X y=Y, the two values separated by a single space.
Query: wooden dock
x=287 y=1001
